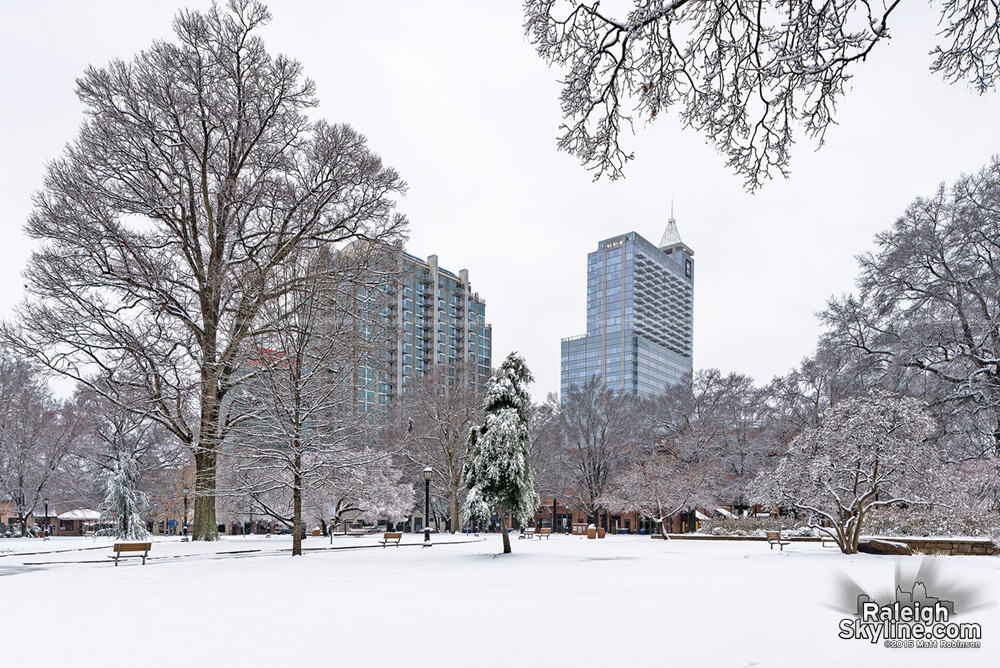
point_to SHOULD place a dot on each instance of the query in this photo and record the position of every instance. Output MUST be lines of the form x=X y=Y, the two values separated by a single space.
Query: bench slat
x=390 y=536
x=774 y=537
x=119 y=548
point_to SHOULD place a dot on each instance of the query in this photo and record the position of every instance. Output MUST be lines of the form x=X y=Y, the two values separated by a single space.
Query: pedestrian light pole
x=184 y=530
x=428 y=472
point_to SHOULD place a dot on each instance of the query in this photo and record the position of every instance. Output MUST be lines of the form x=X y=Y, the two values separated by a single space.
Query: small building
x=417 y=521
x=10 y=518
x=77 y=522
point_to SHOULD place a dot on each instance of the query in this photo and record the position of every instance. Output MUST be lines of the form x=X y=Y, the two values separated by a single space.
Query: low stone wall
x=951 y=546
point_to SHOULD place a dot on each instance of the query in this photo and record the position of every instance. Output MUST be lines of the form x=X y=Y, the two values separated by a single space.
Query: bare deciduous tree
x=927 y=315
x=195 y=177
x=598 y=430
x=299 y=424
x=37 y=434
x=722 y=416
x=868 y=452
x=550 y=456
x=662 y=481
x=746 y=74
x=439 y=411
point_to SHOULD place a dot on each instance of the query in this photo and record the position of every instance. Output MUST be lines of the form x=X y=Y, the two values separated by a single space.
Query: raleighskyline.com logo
x=913 y=620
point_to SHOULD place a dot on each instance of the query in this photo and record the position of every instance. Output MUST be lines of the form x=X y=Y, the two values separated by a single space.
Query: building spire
x=671 y=237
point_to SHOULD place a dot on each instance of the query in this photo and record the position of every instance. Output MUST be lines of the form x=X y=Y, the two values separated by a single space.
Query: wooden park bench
x=774 y=538
x=528 y=533
x=389 y=536
x=544 y=533
x=827 y=540
x=130 y=548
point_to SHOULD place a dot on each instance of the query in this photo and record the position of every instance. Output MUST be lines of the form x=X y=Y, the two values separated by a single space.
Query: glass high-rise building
x=414 y=315
x=440 y=321
x=430 y=317
x=640 y=316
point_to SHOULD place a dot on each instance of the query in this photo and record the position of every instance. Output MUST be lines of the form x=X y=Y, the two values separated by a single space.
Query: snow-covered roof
x=723 y=512
x=80 y=514
x=700 y=515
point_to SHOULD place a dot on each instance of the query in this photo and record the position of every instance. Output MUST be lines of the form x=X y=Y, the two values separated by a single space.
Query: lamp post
x=428 y=472
x=45 y=528
x=184 y=537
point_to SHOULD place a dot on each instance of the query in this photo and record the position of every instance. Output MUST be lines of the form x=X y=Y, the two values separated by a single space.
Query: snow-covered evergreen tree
x=498 y=475
x=123 y=501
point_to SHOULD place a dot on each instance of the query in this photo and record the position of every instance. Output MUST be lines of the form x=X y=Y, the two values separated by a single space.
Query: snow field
x=622 y=601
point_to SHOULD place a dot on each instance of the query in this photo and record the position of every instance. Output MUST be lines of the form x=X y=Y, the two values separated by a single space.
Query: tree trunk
x=996 y=439
x=856 y=538
x=503 y=528
x=205 y=526
x=297 y=508
x=455 y=520
x=852 y=536
x=207 y=451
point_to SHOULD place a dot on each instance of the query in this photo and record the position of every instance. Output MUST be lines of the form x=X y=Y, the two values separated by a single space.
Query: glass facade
x=640 y=316
x=439 y=320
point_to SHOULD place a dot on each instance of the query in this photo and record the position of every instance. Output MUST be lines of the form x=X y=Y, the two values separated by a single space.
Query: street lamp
x=186 y=490
x=428 y=472
x=44 y=528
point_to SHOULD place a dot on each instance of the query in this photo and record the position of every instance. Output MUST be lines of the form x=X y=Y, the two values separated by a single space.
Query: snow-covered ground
x=567 y=601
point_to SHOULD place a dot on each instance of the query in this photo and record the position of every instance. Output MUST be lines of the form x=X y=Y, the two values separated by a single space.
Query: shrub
x=936 y=521
x=754 y=526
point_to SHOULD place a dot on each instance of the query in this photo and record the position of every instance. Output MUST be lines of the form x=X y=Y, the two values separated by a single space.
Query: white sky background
x=453 y=96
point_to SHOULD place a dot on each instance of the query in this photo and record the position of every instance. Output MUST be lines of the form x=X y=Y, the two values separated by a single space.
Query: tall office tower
x=436 y=319
x=640 y=316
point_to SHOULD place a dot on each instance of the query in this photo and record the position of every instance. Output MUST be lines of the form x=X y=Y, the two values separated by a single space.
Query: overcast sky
x=453 y=96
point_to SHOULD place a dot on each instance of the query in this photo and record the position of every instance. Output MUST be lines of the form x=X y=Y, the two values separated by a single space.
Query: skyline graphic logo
x=910 y=616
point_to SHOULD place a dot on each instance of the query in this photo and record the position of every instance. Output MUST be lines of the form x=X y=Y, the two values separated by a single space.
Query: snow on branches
x=165 y=226
x=928 y=314
x=746 y=74
x=498 y=475
x=867 y=452
x=123 y=501
x=298 y=433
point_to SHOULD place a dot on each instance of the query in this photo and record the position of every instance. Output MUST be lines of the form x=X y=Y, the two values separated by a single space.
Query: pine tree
x=498 y=475
x=123 y=501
